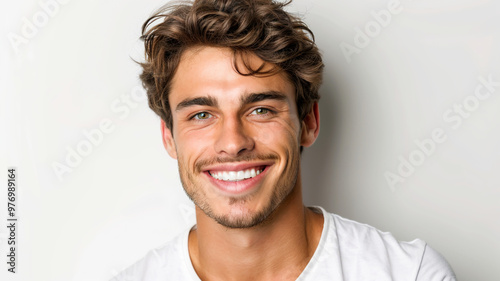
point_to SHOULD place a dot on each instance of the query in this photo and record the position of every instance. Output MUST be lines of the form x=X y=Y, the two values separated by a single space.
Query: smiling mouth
x=233 y=176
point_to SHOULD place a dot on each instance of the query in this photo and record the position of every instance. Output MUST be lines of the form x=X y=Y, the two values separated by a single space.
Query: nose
x=233 y=139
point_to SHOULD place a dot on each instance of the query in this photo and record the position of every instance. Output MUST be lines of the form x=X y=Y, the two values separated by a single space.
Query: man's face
x=236 y=138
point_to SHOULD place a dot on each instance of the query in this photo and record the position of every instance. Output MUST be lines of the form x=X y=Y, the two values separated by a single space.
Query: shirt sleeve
x=434 y=267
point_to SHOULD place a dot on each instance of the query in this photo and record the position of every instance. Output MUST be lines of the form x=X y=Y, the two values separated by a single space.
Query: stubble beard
x=284 y=187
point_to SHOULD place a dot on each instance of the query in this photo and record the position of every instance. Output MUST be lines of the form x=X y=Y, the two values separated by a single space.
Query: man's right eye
x=202 y=116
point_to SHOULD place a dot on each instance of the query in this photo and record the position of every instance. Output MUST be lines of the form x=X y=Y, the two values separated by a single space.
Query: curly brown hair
x=261 y=27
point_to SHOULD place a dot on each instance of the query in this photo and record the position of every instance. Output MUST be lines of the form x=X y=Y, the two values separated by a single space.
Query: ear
x=168 y=140
x=310 y=127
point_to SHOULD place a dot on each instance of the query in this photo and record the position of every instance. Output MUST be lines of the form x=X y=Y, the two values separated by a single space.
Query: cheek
x=194 y=139
x=191 y=147
x=277 y=135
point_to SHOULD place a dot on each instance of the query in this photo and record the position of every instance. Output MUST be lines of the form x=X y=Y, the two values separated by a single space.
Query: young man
x=235 y=83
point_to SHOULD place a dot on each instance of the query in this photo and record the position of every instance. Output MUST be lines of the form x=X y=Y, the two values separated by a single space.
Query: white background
x=122 y=199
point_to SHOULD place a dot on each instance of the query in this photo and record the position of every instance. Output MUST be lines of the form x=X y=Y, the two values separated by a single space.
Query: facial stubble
x=282 y=189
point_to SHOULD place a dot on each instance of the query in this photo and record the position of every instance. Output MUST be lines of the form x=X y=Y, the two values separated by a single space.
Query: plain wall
x=385 y=95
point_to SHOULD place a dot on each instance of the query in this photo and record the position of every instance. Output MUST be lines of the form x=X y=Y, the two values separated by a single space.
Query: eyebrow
x=208 y=101
x=256 y=97
x=246 y=99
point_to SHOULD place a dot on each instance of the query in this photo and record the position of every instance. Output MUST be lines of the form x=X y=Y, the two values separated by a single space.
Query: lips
x=236 y=175
x=237 y=178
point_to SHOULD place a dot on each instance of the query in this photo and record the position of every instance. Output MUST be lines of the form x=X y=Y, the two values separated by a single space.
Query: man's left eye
x=261 y=111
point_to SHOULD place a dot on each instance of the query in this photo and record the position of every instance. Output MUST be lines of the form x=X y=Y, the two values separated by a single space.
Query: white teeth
x=232 y=176
x=252 y=173
x=240 y=175
x=235 y=175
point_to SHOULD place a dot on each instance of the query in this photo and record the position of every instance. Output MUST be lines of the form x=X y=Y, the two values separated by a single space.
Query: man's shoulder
x=357 y=233
x=435 y=267
x=165 y=260
x=366 y=249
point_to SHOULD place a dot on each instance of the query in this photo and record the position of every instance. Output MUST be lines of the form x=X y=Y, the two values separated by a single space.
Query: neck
x=277 y=249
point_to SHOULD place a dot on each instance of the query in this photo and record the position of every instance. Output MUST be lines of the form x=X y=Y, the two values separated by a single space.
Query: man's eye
x=261 y=111
x=202 y=116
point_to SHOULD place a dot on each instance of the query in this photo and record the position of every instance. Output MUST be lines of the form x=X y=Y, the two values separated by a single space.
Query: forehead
x=211 y=71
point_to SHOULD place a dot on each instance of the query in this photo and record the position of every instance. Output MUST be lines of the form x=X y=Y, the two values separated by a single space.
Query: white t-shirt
x=347 y=251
